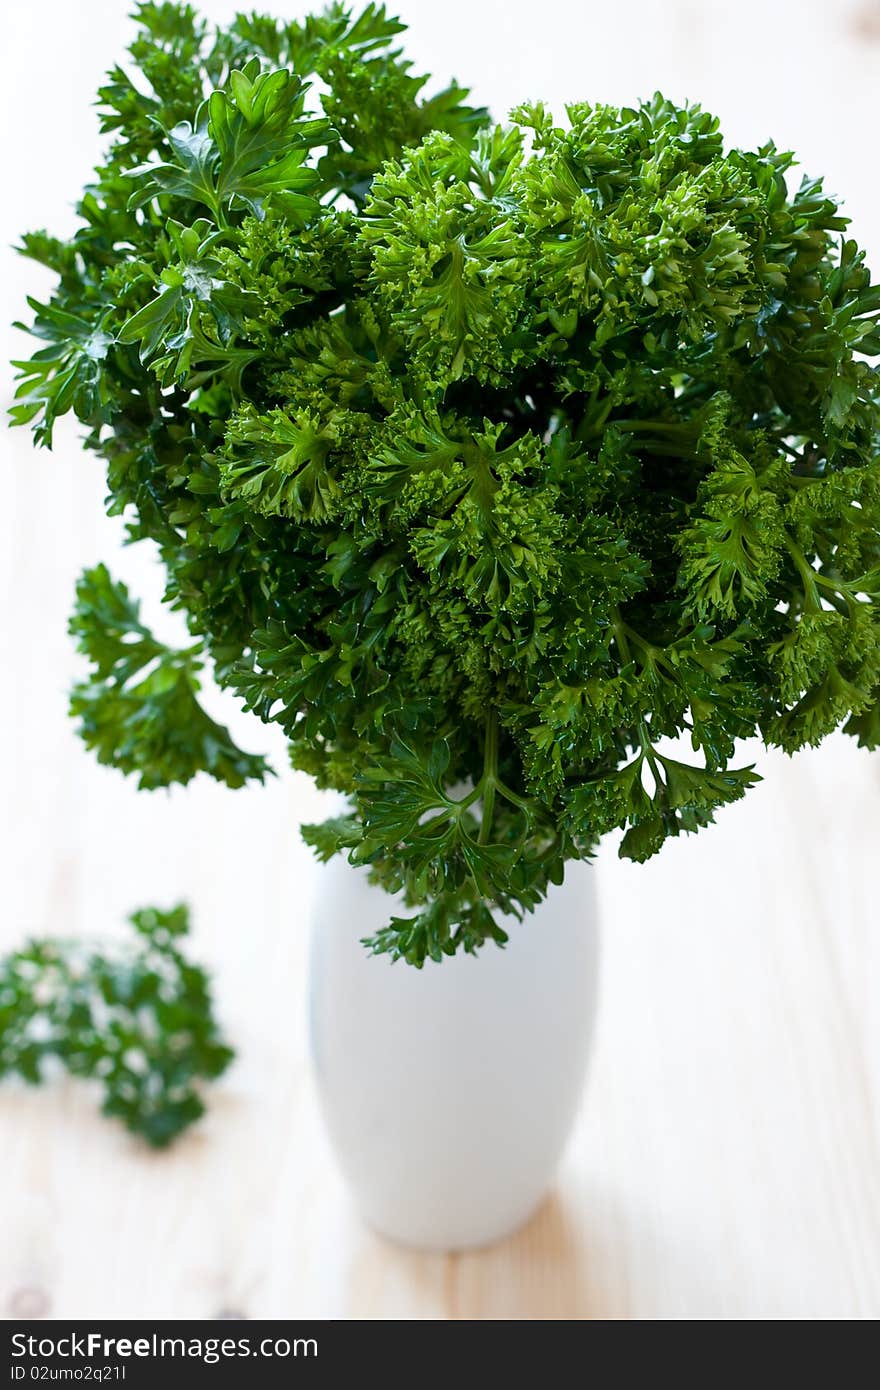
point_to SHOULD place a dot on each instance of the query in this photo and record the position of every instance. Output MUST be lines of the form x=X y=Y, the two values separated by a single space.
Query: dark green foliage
x=483 y=460
x=138 y=707
x=139 y=1022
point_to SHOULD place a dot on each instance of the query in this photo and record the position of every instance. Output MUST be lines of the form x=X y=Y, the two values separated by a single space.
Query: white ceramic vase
x=449 y=1092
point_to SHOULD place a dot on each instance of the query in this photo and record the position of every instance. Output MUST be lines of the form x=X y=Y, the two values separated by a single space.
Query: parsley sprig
x=138 y=708
x=484 y=460
x=137 y=1021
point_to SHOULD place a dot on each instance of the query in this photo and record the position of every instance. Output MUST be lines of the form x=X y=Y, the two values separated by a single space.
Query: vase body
x=449 y=1092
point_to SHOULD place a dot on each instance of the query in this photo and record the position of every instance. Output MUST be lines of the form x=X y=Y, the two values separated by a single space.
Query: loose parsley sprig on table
x=138 y=708
x=482 y=459
x=139 y=1022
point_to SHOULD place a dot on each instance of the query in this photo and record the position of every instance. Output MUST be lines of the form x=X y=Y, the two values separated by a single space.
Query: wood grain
x=727 y=1160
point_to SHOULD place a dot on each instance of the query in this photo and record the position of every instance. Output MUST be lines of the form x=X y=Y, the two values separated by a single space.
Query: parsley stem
x=490 y=773
x=620 y=634
x=811 y=579
x=652 y=426
x=513 y=797
x=649 y=753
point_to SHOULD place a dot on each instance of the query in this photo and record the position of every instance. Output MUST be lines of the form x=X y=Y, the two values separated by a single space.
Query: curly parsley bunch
x=484 y=460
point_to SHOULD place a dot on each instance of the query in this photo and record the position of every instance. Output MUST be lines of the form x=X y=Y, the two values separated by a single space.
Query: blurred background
x=727 y=1161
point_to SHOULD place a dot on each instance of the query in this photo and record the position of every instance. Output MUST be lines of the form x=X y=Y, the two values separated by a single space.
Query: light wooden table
x=727 y=1161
